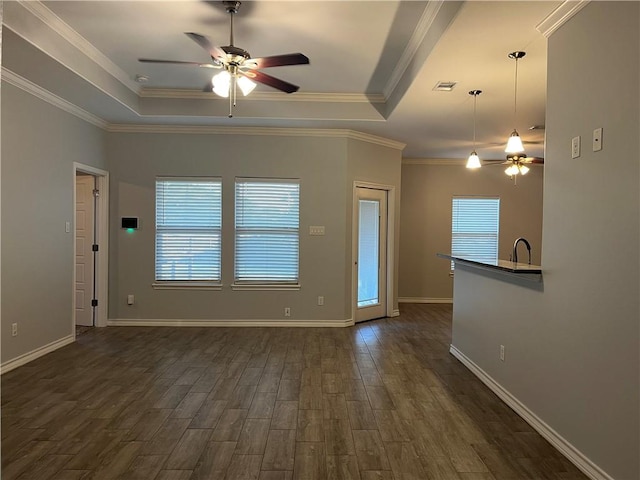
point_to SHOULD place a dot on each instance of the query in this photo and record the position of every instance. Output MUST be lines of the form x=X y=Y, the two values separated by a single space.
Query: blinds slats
x=188 y=229
x=267 y=231
x=474 y=228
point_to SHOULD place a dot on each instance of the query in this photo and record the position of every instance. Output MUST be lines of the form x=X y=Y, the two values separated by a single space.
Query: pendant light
x=514 y=144
x=473 y=161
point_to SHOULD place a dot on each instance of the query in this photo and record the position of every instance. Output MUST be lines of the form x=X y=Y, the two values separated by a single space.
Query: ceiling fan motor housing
x=235 y=55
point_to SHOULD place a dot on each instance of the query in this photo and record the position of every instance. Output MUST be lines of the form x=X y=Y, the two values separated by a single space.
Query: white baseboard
x=37 y=353
x=395 y=313
x=167 y=322
x=424 y=300
x=560 y=443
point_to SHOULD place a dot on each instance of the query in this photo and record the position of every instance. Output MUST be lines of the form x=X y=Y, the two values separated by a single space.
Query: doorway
x=371 y=253
x=85 y=231
x=90 y=247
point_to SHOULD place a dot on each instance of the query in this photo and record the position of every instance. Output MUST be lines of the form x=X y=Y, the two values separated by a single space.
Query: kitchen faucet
x=515 y=249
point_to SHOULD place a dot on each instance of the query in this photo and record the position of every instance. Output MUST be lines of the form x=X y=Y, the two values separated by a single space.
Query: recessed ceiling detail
x=86 y=53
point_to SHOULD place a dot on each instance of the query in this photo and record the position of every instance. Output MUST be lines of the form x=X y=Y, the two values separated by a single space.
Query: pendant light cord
x=515 y=95
x=475 y=100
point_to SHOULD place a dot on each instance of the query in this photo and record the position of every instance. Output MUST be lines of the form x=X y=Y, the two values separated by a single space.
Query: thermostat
x=129 y=223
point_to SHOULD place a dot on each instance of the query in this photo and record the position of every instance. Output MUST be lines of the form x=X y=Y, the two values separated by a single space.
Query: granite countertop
x=500 y=265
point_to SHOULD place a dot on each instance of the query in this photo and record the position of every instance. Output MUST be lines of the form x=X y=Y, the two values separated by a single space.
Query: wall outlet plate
x=597 y=139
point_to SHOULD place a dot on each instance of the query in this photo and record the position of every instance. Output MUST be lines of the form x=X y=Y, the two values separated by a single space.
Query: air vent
x=444 y=86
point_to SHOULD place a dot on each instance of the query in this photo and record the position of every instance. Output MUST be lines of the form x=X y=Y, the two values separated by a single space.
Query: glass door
x=371 y=258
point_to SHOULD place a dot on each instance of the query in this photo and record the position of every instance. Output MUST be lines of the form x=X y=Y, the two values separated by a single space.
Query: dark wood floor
x=382 y=400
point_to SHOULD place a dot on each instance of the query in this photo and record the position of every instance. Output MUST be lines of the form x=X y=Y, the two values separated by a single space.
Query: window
x=474 y=228
x=267 y=231
x=188 y=229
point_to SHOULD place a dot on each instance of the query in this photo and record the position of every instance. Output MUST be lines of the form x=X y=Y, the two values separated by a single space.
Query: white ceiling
x=373 y=65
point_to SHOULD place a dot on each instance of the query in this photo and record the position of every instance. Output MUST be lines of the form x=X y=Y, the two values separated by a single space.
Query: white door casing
x=84 y=263
x=371 y=220
x=101 y=223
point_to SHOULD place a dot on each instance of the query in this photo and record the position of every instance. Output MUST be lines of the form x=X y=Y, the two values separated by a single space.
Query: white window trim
x=186 y=285
x=265 y=286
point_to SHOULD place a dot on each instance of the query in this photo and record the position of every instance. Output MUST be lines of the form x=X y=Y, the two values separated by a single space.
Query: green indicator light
x=130 y=230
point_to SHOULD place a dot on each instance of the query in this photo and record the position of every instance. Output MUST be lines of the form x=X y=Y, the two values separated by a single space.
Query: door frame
x=102 y=239
x=391 y=231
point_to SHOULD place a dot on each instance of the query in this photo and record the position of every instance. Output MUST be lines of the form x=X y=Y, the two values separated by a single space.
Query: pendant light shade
x=514 y=144
x=473 y=161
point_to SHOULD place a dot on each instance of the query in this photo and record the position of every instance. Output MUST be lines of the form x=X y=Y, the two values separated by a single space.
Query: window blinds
x=188 y=228
x=267 y=230
x=475 y=227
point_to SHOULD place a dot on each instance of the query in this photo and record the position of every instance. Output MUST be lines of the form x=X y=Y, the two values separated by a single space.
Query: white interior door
x=371 y=271
x=84 y=253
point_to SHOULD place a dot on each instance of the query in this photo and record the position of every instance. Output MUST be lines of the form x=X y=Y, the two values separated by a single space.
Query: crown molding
x=449 y=162
x=40 y=11
x=270 y=131
x=560 y=16
x=22 y=83
x=183 y=93
x=424 y=24
x=37 y=91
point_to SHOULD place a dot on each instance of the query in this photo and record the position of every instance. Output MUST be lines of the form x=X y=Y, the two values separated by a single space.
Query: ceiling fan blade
x=176 y=62
x=271 y=81
x=534 y=160
x=276 y=61
x=215 y=52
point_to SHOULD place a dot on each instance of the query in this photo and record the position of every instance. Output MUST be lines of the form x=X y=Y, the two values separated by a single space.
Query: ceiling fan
x=238 y=68
x=516 y=164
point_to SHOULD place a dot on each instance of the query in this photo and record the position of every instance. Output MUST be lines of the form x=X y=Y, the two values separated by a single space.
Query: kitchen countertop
x=522 y=271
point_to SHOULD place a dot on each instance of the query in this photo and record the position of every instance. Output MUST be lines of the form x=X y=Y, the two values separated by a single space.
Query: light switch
x=67 y=227
x=316 y=230
x=597 y=139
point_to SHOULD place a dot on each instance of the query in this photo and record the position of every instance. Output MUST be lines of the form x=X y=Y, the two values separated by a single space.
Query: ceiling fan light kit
x=239 y=70
x=514 y=144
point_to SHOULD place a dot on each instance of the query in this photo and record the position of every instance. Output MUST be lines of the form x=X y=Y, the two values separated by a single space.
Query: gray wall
x=321 y=165
x=376 y=165
x=572 y=350
x=39 y=145
x=427 y=190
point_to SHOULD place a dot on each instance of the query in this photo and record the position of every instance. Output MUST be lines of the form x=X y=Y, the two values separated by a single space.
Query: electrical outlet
x=575 y=147
x=320 y=300
x=14 y=329
x=287 y=312
x=502 y=352
x=597 y=139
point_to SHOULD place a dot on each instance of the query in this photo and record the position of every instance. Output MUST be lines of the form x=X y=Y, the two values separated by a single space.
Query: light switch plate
x=316 y=230
x=575 y=147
